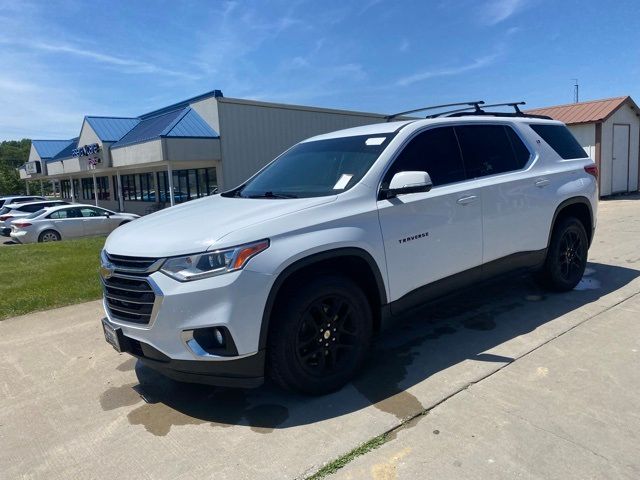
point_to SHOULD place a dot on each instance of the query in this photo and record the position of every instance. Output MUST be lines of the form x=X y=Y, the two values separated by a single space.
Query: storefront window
x=212 y=181
x=65 y=189
x=103 y=188
x=128 y=187
x=187 y=185
x=87 y=189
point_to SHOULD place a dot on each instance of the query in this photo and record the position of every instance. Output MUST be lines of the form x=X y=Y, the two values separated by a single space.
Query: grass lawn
x=47 y=275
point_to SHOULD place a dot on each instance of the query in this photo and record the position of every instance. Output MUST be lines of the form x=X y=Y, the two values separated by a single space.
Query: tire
x=49 y=236
x=566 y=257
x=320 y=334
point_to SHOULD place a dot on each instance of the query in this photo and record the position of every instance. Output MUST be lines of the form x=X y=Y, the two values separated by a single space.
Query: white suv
x=292 y=273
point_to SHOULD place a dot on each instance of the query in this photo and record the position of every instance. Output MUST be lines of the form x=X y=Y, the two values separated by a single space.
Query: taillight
x=22 y=225
x=592 y=170
x=5 y=217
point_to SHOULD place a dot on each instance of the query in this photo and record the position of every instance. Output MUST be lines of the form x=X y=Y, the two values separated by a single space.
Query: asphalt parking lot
x=500 y=382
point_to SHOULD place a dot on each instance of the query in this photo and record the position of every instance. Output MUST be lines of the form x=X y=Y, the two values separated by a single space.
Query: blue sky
x=60 y=60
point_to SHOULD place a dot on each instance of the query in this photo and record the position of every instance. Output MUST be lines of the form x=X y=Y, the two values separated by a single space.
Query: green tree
x=13 y=153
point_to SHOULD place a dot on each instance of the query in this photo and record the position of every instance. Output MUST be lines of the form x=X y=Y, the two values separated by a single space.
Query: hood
x=196 y=226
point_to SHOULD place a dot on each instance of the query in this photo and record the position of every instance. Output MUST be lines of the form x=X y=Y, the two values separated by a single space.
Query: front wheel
x=49 y=236
x=320 y=335
x=567 y=256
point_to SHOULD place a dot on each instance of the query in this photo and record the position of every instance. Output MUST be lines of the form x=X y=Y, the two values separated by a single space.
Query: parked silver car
x=6 y=200
x=67 y=221
x=13 y=211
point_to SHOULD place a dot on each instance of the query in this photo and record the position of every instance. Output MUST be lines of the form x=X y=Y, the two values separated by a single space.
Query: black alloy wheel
x=566 y=256
x=319 y=334
x=327 y=337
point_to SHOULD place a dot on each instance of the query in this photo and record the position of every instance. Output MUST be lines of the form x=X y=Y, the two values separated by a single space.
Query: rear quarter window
x=561 y=140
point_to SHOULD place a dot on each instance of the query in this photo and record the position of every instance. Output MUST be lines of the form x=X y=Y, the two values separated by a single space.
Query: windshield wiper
x=273 y=195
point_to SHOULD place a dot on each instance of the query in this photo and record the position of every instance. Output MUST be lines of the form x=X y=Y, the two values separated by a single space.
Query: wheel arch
x=579 y=207
x=348 y=261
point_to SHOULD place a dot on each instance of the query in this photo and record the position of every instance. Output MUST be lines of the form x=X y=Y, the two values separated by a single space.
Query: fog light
x=210 y=340
x=217 y=334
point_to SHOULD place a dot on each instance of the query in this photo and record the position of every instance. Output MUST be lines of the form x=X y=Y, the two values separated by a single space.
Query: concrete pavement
x=569 y=409
x=73 y=408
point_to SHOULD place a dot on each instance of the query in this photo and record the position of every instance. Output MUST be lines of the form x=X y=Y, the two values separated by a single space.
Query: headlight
x=209 y=264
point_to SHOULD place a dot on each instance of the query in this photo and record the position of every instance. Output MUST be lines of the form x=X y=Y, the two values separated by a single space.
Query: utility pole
x=576 y=91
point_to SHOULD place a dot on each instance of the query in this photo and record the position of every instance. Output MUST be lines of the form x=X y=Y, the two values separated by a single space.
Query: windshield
x=36 y=214
x=317 y=168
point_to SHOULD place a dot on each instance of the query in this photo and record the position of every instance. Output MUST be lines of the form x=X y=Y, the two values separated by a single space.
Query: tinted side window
x=30 y=208
x=436 y=152
x=486 y=150
x=560 y=139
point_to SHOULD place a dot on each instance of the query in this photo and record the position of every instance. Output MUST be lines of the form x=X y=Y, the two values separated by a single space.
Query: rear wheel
x=567 y=256
x=49 y=236
x=319 y=336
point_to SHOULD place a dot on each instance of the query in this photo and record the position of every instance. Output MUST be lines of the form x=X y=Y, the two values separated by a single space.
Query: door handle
x=467 y=200
x=542 y=182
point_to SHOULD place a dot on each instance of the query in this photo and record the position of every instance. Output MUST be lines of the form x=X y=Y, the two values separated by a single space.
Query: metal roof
x=182 y=104
x=190 y=124
x=184 y=122
x=111 y=129
x=65 y=152
x=49 y=148
x=586 y=112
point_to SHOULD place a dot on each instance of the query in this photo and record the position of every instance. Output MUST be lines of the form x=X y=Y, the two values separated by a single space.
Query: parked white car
x=19 y=199
x=293 y=272
x=13 y=211
x=68 y=221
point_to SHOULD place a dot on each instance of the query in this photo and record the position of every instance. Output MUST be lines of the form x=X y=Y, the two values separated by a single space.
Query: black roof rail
x=499 y=114
x=469 y=105
x=461 y=112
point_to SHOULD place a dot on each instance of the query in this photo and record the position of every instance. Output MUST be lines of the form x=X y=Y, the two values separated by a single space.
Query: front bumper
x=234 y=301
x=244 y=372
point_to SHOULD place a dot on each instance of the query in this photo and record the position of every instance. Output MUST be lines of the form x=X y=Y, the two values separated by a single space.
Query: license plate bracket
x=112 y=335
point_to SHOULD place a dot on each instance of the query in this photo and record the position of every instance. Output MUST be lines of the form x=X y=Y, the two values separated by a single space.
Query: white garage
x=609 y=131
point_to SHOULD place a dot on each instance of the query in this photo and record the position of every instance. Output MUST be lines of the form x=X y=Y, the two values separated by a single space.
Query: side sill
x=513 y=264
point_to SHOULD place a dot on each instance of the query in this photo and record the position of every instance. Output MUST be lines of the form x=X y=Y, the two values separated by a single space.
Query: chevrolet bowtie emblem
x=107 y=270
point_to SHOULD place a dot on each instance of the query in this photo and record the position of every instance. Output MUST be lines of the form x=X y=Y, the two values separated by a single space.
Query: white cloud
x=122 y=64
x=496 y=11
x=480 y=62
x=368 y=5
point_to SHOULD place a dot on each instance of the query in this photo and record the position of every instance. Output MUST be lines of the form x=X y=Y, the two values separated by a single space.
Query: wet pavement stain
x=446 y=330
x=485 y=320
x=267 y=415
x=534 y=298
x=117 y=397
x=481 y=321
x=380 y=383
x=159 y=418
x=171 y=403
x=127 y=366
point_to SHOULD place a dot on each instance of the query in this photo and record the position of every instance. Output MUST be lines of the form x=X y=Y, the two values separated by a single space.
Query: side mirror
x=409 y=182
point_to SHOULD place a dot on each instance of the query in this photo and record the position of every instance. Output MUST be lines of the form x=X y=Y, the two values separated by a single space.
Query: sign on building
x=32 y=168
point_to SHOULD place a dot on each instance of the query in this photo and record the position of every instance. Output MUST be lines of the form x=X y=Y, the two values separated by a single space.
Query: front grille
x=132 y=264
x=129 y=298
